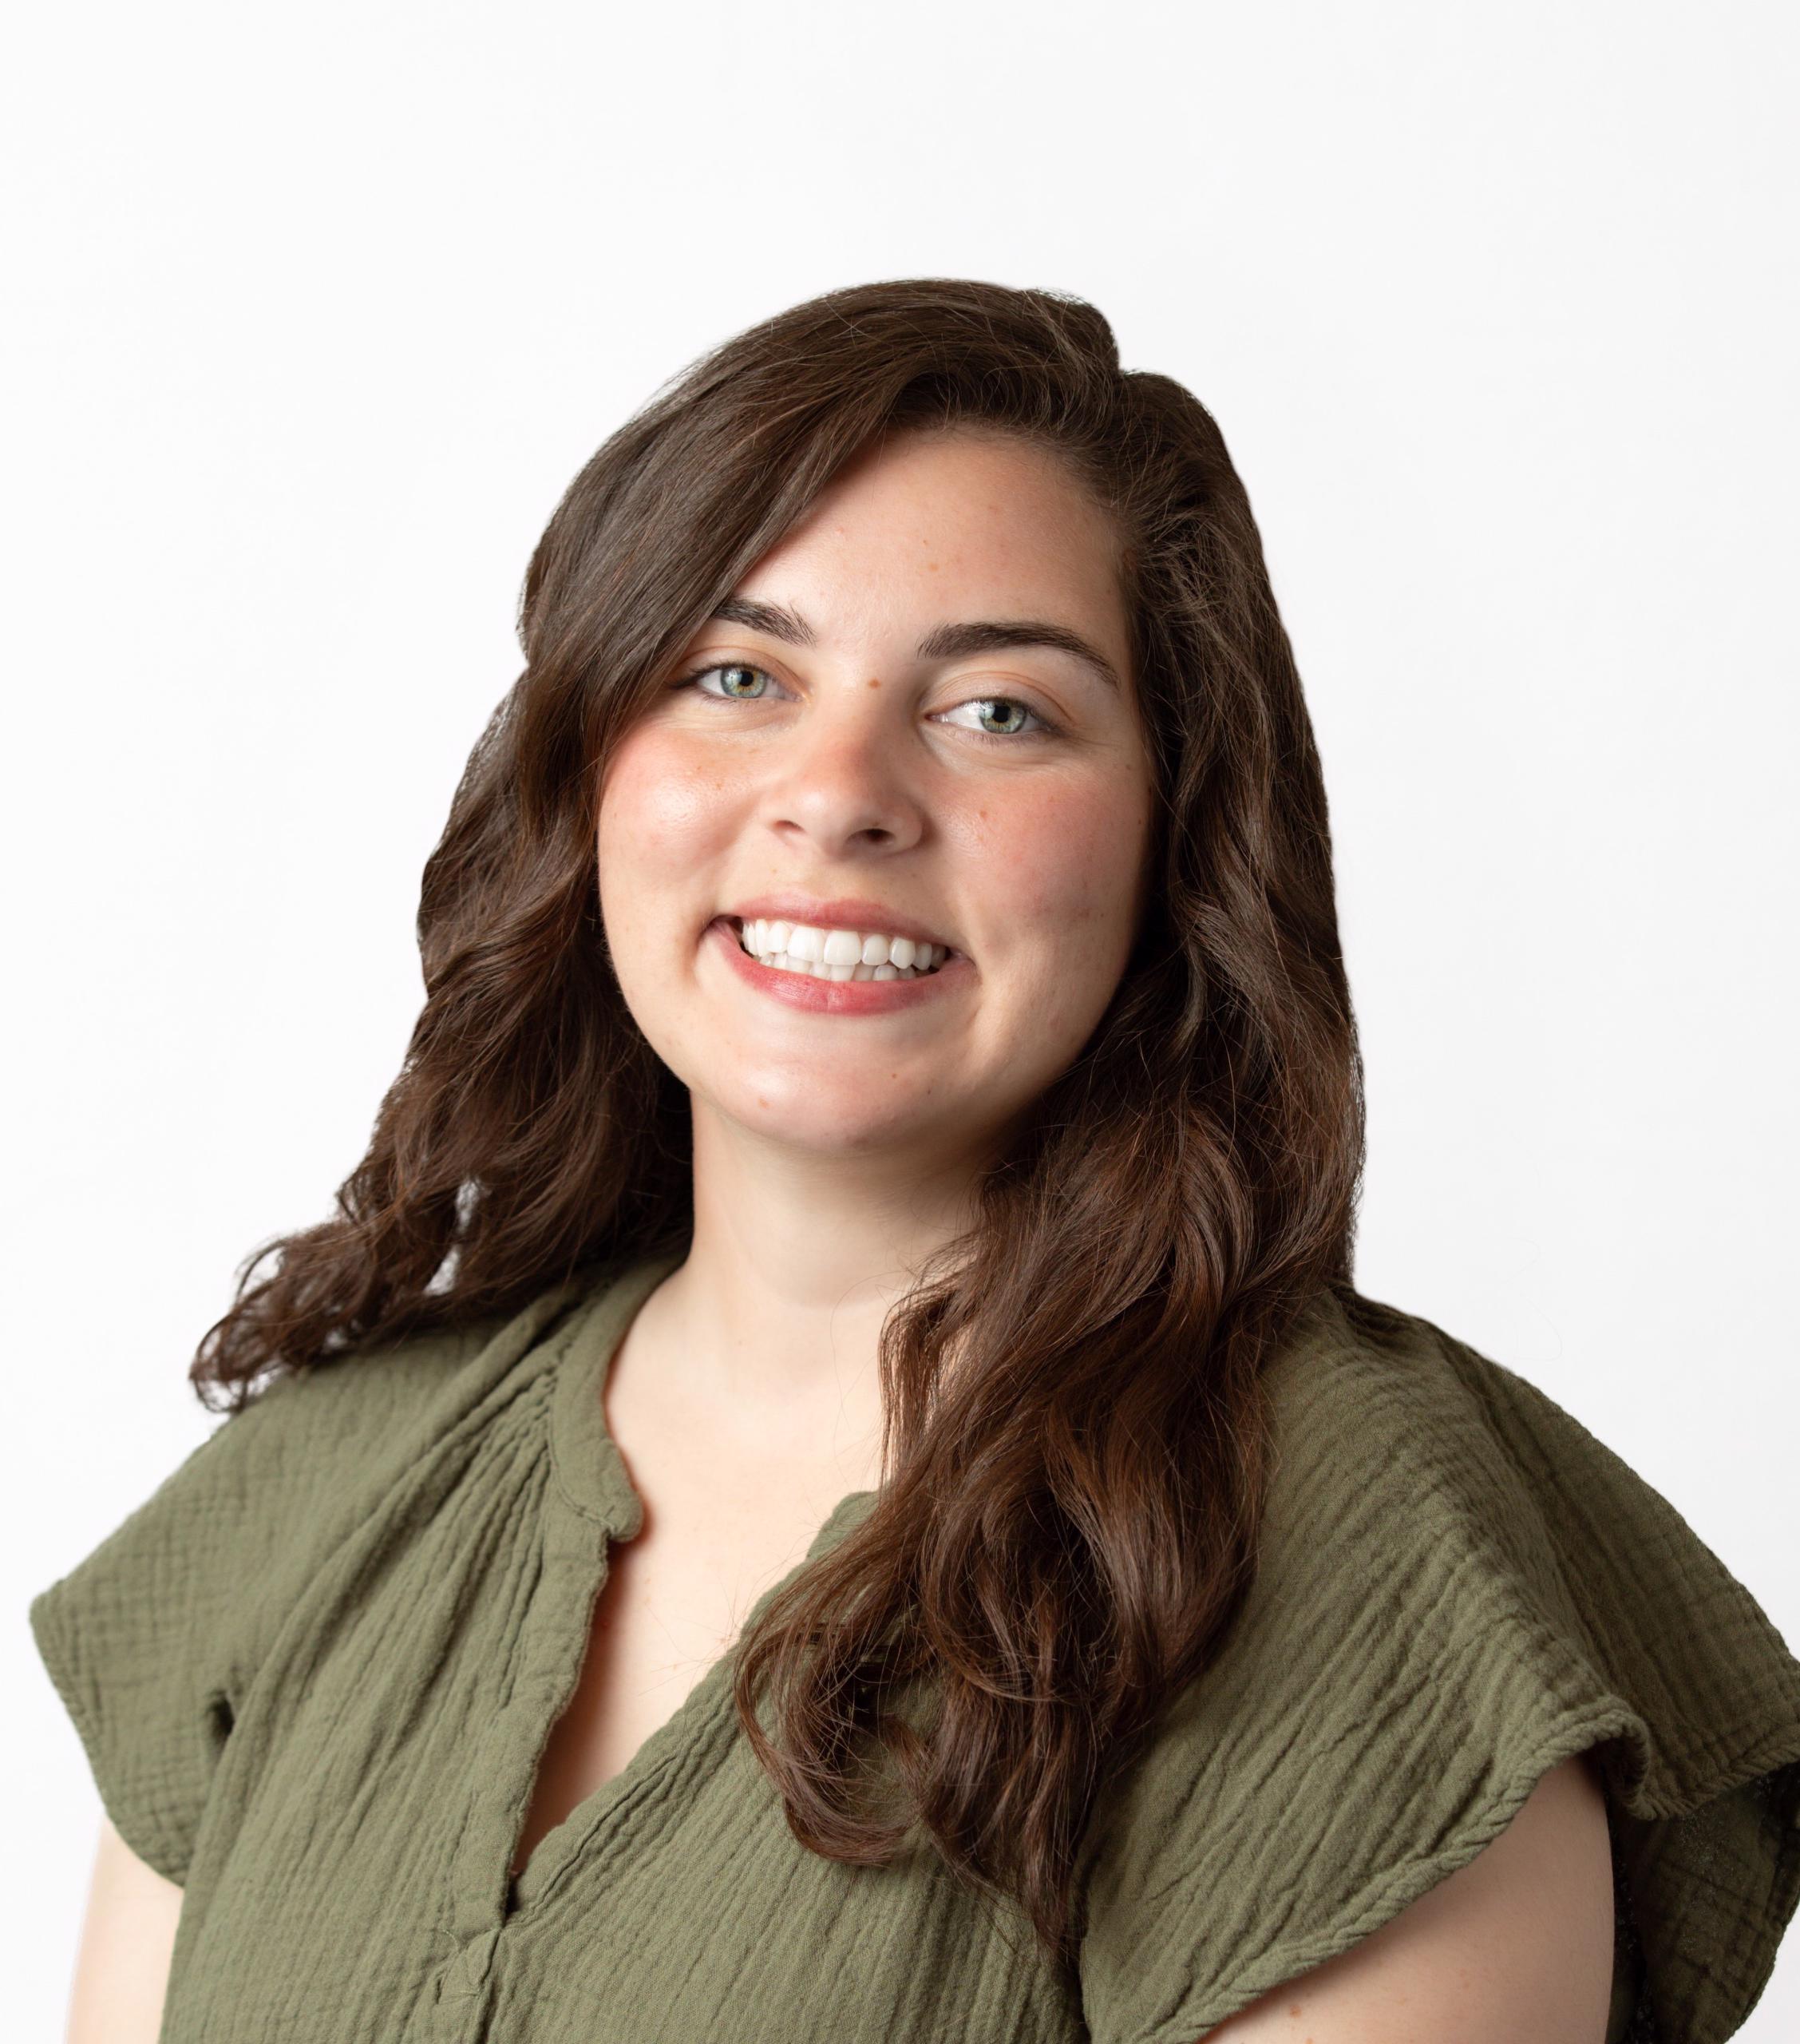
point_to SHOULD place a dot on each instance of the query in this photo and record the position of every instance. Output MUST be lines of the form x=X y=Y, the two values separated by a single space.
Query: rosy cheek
x=1064 y=852
x=656 y=804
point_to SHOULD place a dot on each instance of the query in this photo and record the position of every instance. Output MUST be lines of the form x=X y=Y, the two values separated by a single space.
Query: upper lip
x=841 y=912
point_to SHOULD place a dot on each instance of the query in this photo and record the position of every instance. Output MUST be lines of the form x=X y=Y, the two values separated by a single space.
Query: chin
x=792 y=1111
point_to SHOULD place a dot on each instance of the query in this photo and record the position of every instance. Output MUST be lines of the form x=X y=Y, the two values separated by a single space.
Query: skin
x=128 y=1939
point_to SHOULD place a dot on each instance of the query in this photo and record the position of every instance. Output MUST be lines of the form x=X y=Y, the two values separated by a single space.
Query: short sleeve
x=1459 y=1587
x=141 y=1641
x=153 y=1638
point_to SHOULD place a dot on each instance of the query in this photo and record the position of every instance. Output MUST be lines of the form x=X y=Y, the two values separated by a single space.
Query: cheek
x=1068 y=852
x=657 y=807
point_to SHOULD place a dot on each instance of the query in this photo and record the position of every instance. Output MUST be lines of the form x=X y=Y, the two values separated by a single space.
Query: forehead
x=943 y=521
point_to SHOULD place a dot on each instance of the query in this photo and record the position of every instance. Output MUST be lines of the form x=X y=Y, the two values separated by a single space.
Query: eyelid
x=702 y=665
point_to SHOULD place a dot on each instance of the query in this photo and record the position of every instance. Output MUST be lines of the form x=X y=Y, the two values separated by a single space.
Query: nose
x=840 y=775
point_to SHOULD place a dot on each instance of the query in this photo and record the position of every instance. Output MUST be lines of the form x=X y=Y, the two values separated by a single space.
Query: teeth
x=838 y=954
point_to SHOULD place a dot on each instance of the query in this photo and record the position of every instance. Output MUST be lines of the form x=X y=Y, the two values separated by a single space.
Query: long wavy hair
x=1068 y=1519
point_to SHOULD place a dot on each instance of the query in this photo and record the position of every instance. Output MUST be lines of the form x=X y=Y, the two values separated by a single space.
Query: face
x=996 y=797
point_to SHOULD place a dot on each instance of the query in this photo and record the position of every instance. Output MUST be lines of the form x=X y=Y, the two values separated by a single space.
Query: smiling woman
x=880 y=1148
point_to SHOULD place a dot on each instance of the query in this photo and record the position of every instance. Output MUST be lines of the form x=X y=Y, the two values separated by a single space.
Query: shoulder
x=1381 y=1395
x=349 y=1395
x=344 y=1428
x=1450 y=1490
x=296 y=1461
x=153 y=1638
x=1459 y=1589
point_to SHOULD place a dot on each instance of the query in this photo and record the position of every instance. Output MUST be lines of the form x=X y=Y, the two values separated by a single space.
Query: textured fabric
x=315 y=1673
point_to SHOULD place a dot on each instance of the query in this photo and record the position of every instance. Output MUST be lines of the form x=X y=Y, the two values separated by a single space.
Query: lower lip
x=834 y=996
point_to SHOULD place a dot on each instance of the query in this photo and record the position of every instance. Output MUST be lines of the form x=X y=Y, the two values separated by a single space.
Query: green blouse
x=314 y=1672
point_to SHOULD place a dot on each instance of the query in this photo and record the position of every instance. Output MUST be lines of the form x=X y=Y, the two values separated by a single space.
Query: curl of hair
x=1068 y=1520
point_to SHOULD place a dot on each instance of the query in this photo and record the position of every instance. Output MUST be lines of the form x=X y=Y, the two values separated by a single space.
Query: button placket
x=553 y=1635
x=465 y=1987
x=586 y=1503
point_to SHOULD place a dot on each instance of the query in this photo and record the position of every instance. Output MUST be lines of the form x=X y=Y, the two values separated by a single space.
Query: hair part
x=1069 y=1519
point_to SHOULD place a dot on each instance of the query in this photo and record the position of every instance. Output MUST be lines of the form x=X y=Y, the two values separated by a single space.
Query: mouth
x=946 y=954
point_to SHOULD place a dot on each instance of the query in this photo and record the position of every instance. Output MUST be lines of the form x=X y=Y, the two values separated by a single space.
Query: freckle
x=875 y=681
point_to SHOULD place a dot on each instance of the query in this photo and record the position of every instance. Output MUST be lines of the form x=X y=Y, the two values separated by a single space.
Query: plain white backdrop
x=313 y=314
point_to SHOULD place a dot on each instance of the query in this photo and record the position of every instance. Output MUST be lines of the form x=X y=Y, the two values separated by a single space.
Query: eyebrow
x=946 y=642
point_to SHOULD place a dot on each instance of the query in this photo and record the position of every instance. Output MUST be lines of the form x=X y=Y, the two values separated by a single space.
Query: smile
x=837 y=954
x=840 y=986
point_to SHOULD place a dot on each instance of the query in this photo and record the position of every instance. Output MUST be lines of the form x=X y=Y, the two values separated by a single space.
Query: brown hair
x=1068 y=1521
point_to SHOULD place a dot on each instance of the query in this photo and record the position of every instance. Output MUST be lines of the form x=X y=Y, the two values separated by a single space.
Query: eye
x=1013 y=708
x=730 y=668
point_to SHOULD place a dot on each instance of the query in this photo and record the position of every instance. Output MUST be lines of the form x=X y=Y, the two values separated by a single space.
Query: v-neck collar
x=590 y=1473
x=591 y=1479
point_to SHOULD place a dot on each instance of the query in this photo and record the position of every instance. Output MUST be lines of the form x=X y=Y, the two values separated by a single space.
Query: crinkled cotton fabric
x=314 y=1674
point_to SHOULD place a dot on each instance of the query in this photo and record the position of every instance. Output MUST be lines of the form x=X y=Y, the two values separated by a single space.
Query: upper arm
x=128 y=1937
x=1518 y=1942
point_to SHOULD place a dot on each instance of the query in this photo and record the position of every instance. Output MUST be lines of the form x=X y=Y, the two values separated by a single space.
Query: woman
x=880 y=1149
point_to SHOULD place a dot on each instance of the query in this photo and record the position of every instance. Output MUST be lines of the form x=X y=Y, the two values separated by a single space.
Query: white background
x=314 y=315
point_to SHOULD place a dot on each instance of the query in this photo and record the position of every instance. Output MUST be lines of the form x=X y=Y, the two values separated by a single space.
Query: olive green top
x=314 y=1672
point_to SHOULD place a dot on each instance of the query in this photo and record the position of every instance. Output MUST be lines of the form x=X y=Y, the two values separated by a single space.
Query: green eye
x=1014 y=707
x=727 y=668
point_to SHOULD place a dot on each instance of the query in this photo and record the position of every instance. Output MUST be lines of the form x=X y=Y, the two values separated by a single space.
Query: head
x=871 y=467
x=743 y=679
x=838 y=730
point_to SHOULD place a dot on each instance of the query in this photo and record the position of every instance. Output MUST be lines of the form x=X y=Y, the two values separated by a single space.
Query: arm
x=1517 y=1943
x=128 y=1937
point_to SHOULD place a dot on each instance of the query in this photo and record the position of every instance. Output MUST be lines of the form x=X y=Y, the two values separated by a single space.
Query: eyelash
x=1050 y=728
